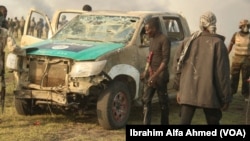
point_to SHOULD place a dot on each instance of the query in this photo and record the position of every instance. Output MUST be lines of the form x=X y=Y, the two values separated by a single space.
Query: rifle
x=185 y=49
x=149 y=58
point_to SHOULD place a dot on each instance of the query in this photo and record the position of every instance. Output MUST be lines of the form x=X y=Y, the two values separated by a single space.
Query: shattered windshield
x=99 y=28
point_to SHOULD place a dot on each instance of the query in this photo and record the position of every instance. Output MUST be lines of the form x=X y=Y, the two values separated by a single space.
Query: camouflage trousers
x=240 y=67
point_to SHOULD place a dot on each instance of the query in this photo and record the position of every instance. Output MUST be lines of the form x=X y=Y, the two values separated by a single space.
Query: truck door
x=37 y=28
x=175 y=32
x=61 y=17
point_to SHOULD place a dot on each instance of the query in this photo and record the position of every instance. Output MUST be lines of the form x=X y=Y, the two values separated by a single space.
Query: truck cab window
x=173 y=28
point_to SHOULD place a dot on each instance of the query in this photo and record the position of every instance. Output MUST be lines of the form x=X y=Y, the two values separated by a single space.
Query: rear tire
x=114 y=106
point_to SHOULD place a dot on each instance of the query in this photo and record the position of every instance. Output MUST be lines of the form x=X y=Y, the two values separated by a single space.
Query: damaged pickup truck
x=92 y=63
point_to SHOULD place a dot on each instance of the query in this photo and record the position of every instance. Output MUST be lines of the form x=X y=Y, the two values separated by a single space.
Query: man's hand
x=152 y=80
x=178 y=99
x=143 y=75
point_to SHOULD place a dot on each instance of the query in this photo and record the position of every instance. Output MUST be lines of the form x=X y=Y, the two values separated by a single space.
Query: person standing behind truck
x=22 y=23
x=156 y=76
x=16 y=27
x=39 y=28
x=63 y=21
x=32 y=26
x=241 y=59
x=202 y=69
x=86 y=7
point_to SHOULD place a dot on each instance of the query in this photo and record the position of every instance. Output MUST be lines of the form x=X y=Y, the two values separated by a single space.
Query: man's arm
x=231 y=44
x=166 y=48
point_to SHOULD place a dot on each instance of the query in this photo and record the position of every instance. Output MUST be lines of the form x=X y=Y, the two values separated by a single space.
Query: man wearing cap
x=202 y=69
x=241 y=59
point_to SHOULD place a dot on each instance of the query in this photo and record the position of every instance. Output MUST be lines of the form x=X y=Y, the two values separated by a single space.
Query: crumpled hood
x=83 y=50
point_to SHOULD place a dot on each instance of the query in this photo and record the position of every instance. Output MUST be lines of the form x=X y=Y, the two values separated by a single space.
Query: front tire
x=23 y=106
x=114 y=106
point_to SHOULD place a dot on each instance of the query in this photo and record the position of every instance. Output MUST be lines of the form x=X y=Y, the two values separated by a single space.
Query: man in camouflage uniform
x=3 y=39
x=39 y=28
x=241 y=59
x=63 y=21
x=46 y=29
x=22 y=23
x=16 y=27
x=8 y=41
x=32 y=26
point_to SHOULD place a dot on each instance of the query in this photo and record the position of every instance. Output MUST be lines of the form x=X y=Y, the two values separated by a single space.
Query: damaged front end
x=43 y=81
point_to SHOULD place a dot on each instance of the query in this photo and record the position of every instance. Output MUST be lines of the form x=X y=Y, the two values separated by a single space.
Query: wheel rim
x=120 y=106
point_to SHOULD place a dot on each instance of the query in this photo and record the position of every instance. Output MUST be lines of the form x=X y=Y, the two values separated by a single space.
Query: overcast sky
x=228 y=12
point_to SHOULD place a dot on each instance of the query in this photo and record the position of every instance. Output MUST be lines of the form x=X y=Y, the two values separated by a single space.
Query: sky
x=228 y=12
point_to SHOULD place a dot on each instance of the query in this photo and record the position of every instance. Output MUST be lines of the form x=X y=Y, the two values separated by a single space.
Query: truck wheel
x=114 y=106
x=23 y=106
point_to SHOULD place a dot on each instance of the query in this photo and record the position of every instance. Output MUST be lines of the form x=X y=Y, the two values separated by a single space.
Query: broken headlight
x=85 y=69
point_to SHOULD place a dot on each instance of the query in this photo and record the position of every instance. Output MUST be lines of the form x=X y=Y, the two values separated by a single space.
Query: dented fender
x=125 y=69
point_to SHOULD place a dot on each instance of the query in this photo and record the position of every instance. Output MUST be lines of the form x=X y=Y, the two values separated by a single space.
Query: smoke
x=21 y=7
x=228 y=13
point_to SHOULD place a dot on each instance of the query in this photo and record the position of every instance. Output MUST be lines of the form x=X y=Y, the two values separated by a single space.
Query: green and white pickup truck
x=92 y=63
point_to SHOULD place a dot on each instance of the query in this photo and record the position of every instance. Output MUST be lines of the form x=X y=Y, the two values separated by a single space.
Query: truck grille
x=50 y=75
